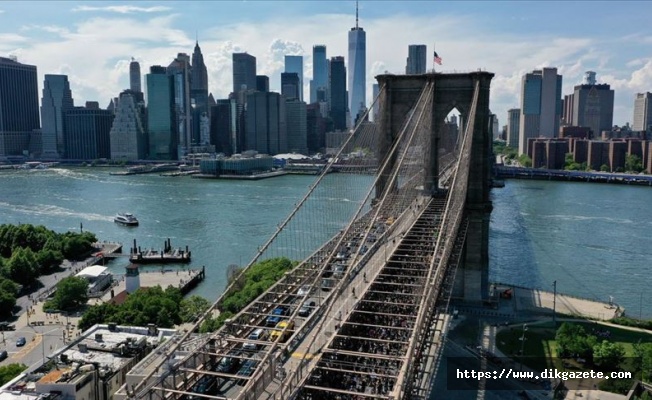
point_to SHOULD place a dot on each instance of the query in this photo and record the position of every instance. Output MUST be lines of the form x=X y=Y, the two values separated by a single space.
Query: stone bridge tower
x=450 y=91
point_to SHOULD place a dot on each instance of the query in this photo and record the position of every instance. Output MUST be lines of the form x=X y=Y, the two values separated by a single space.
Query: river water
x=595 y=240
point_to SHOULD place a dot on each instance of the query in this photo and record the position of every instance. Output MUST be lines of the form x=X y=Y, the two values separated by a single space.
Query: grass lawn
x=540 y=346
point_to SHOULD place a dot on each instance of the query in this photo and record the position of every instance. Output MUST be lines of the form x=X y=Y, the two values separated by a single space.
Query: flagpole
x=434 y=51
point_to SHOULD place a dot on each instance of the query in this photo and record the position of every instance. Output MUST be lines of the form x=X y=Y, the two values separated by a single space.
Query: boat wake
x=46 y=209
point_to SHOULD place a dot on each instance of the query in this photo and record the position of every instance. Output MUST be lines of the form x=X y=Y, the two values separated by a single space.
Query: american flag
x=437 y=58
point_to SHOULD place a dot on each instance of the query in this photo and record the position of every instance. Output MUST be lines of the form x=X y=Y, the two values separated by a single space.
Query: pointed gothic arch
x=451 y=91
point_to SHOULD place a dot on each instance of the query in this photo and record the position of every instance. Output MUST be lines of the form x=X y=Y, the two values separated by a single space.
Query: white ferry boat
x=126 y=219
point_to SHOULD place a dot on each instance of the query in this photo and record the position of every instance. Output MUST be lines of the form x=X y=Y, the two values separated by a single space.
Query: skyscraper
x=87 y=132
x=127 y=134
x=179 y=69
x=337 y=91
x=57 y=98
x=591 y=105
x=290 y=84
x=540 y=106
x=199 y=97
x=18 y=106
x=295 y=64
x=357 y=67
x=266 y=128
x=297 y=131
x=513 y=117
x=416 y=60
x=642 y=112
x=134 y=76
x=162 y=141
x=244 y=72
x=319 y=71
x=262 y=83
x=223 y=126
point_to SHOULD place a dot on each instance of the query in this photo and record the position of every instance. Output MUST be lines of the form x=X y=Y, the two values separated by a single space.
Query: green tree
x=8 y=293
x=633 y=163
x=97 y=314
x=569 y=160
x=48 y=259
x=573 y=341
x=10 y=371
x=604 y=168
x=8 y=286
x=213 y=324
x=192 y=307
x=7 y=304
x=643 y=358
x=525 y=161
x=145 y=306
x=71 y=293
x=608 y=355
x=22 y=267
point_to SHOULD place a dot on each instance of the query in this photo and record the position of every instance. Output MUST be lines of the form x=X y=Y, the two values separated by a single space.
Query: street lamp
x=523 y=344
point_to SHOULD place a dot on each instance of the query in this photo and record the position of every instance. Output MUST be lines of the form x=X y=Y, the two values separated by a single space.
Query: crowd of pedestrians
x=367 y=353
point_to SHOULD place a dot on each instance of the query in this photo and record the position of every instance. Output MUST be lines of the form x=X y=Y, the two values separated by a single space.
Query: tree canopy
x=165 y=308
x=573 y=341
x=608 y=355
x=71 y=293
x=251 y=284
x=28 y=251
x=10 y=371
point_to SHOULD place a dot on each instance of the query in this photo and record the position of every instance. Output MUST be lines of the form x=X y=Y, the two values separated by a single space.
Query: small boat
x=126 y=219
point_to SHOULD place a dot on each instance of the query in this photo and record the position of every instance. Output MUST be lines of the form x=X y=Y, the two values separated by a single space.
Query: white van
x=258 y=334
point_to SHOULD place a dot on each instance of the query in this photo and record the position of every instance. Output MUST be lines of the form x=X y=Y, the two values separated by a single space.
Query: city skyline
x=93 y=42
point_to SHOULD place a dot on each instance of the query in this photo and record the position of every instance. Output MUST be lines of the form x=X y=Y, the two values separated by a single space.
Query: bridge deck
x=366 y=354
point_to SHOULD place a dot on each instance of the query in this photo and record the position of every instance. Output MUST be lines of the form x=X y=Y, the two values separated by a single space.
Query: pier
x=167 y=255
x=503 y=172
x=183 y=279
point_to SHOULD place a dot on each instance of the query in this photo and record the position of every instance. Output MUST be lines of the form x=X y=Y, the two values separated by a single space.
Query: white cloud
x=123 y=9
x=11 y=38
x=95 y=52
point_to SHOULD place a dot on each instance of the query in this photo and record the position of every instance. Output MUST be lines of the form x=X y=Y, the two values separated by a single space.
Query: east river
x=595 y=240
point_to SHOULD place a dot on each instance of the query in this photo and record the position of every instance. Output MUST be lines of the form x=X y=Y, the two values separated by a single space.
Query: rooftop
x=93 y=270
x=108 y=348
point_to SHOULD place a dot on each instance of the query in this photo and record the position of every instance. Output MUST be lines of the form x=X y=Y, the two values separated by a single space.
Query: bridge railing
x=445 y=239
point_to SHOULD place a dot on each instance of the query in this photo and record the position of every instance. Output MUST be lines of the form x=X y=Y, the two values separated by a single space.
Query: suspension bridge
x=363 y=315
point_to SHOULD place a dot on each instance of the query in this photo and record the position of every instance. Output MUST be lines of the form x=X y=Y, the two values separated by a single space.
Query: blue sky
x=93 y=41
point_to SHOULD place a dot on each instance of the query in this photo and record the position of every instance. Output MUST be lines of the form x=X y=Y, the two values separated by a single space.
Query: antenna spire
x=356 y=14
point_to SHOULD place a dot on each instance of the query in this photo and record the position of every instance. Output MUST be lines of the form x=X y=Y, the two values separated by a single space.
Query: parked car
x=6 y=326
x=21 y=341
x=3 y=355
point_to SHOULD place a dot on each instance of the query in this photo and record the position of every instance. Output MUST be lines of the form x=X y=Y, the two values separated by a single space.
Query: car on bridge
x=327 y=284
x=307 y=307
x=339 y=270
x=304 y=290
x=278 y=332
x=248 y=368
x=228 y=364
x=276 y=316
